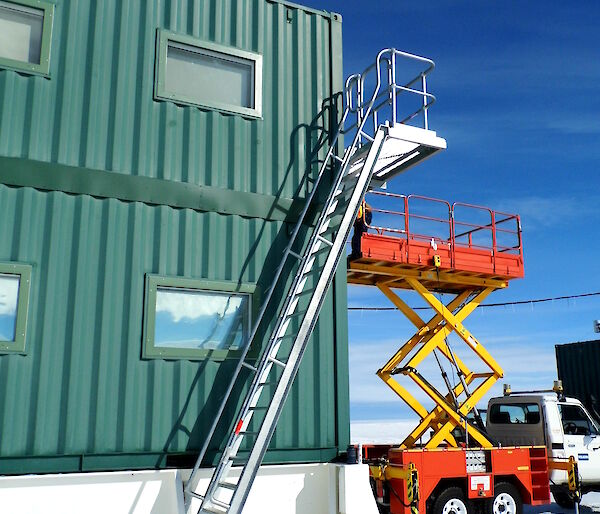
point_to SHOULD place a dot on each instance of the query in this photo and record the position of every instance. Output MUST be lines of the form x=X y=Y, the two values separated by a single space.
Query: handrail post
x=393 y=87
x=426 y=122
x=406 y=222
x=494 y=248
x=519 y=237
x=452 y=236
x=361 y=112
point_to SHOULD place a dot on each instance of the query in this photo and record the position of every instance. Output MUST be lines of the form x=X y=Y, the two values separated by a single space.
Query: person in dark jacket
x=361 y=224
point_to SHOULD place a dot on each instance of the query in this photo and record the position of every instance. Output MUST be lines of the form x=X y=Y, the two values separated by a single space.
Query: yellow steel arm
x=431 y=336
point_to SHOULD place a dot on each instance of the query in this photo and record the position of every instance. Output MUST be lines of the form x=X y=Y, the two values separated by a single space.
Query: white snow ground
x=392 y=432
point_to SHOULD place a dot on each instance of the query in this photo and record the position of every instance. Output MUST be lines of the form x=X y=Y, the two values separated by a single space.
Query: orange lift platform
x=435 y=248
x=431 y=246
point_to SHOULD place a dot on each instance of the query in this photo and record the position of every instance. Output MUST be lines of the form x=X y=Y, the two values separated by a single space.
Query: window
x=192 y=72
x=25 y=35
x=196 y=319
x=15 y=280
x=575 y=421
x=515 y=413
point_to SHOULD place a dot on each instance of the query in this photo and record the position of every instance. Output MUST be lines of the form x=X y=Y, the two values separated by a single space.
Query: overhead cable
x=502 y=304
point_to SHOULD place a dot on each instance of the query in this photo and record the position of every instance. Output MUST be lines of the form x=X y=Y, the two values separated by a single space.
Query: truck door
x=582 y=440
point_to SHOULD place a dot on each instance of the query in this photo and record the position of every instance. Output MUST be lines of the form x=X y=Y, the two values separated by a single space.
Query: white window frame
x=165 y=39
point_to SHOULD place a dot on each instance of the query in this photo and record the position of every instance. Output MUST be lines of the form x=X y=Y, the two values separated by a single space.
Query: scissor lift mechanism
x=427 y=265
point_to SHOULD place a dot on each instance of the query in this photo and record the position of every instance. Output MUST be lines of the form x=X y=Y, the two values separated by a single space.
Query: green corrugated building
x=153 y=156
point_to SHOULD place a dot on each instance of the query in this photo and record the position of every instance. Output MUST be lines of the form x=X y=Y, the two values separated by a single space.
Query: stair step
x=195 y=495
x=220 y=504
x=247 y=432
x=268 y=383
x=212 y=510
x=323 y=240
x=296 y=314
x=304 y=292
x=278 y=362
x=228 y=485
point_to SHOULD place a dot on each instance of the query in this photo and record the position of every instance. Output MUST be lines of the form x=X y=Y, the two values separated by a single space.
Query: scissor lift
x=432 y=247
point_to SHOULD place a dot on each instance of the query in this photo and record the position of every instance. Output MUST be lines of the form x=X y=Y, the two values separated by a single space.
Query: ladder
x=274 y=371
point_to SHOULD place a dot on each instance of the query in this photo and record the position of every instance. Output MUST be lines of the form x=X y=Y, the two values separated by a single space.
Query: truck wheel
x=451 y=501
x=507 y=499
x=564 y=500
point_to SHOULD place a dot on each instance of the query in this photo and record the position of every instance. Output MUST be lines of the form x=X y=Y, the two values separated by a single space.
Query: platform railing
x=385 y=78
x=394 y=215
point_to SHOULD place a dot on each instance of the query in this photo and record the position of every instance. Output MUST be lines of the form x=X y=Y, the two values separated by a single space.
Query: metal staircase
x=348 y=178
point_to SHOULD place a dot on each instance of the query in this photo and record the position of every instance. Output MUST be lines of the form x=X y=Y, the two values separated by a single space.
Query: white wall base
x=303 y=489
x=287 y=489
x=135 y=492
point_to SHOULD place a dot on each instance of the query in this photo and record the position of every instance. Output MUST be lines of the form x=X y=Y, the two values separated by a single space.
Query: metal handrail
x=407 y=217
x=357 y=98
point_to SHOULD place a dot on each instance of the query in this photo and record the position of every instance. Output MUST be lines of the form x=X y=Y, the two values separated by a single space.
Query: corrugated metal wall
x=578 y=365
x=96 y=111
x=82 y=389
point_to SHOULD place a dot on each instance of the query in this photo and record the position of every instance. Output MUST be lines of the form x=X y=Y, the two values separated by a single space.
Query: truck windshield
x=575 y=421
x=517 y=413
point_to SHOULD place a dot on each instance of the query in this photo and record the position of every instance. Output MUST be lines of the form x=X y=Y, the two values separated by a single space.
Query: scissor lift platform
x=446 y=253
x=430 y=246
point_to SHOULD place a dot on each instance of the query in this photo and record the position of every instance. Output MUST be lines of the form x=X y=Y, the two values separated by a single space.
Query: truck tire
x=564 y=500
x=451 y=501
x=507 y=499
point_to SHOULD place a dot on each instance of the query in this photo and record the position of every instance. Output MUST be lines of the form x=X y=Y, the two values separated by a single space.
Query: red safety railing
x=467 y=237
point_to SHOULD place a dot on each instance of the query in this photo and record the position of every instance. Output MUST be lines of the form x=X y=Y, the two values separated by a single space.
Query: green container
x=578 y=365
x=103 y=185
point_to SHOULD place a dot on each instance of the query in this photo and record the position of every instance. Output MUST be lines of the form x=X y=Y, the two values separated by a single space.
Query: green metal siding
x=578 y=365
x=96 y=110
x=82 y=388
x=82 y=397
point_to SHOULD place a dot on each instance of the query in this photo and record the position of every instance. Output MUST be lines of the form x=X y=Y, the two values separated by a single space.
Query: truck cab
x=561 y=424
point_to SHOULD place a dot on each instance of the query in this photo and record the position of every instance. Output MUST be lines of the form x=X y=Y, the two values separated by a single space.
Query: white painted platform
x=289 y=489
x=404 y=147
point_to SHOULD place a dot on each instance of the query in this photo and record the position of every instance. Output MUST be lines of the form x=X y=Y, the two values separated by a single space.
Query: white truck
x=548 y=418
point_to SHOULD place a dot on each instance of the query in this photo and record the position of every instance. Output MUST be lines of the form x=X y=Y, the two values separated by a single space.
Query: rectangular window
x=25 y=35
x=193 y=72
x=15 y=281
x=195 y=319
x=575 y=421
x=515 y=413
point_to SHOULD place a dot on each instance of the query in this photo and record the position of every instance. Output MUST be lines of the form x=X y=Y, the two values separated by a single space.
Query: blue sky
x=517 y=88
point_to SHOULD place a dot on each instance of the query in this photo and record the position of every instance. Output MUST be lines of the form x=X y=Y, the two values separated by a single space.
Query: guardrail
x=380 y=87
x=458 y=225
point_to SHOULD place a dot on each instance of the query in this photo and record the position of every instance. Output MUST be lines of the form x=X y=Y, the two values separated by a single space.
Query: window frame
x=24 y=272
x=592 y=427
x=154 y=282
x=525 y=405
x=164 y=37
x=43 y=68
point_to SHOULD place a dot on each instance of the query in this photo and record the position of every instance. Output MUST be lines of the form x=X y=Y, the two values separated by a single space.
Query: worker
x=361 y=224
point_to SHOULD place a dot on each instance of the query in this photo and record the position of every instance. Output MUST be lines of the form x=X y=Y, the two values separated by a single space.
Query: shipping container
x=119 y=182
x=578 y=368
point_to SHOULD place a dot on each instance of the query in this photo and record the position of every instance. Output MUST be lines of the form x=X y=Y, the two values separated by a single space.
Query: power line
x=503 y=304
